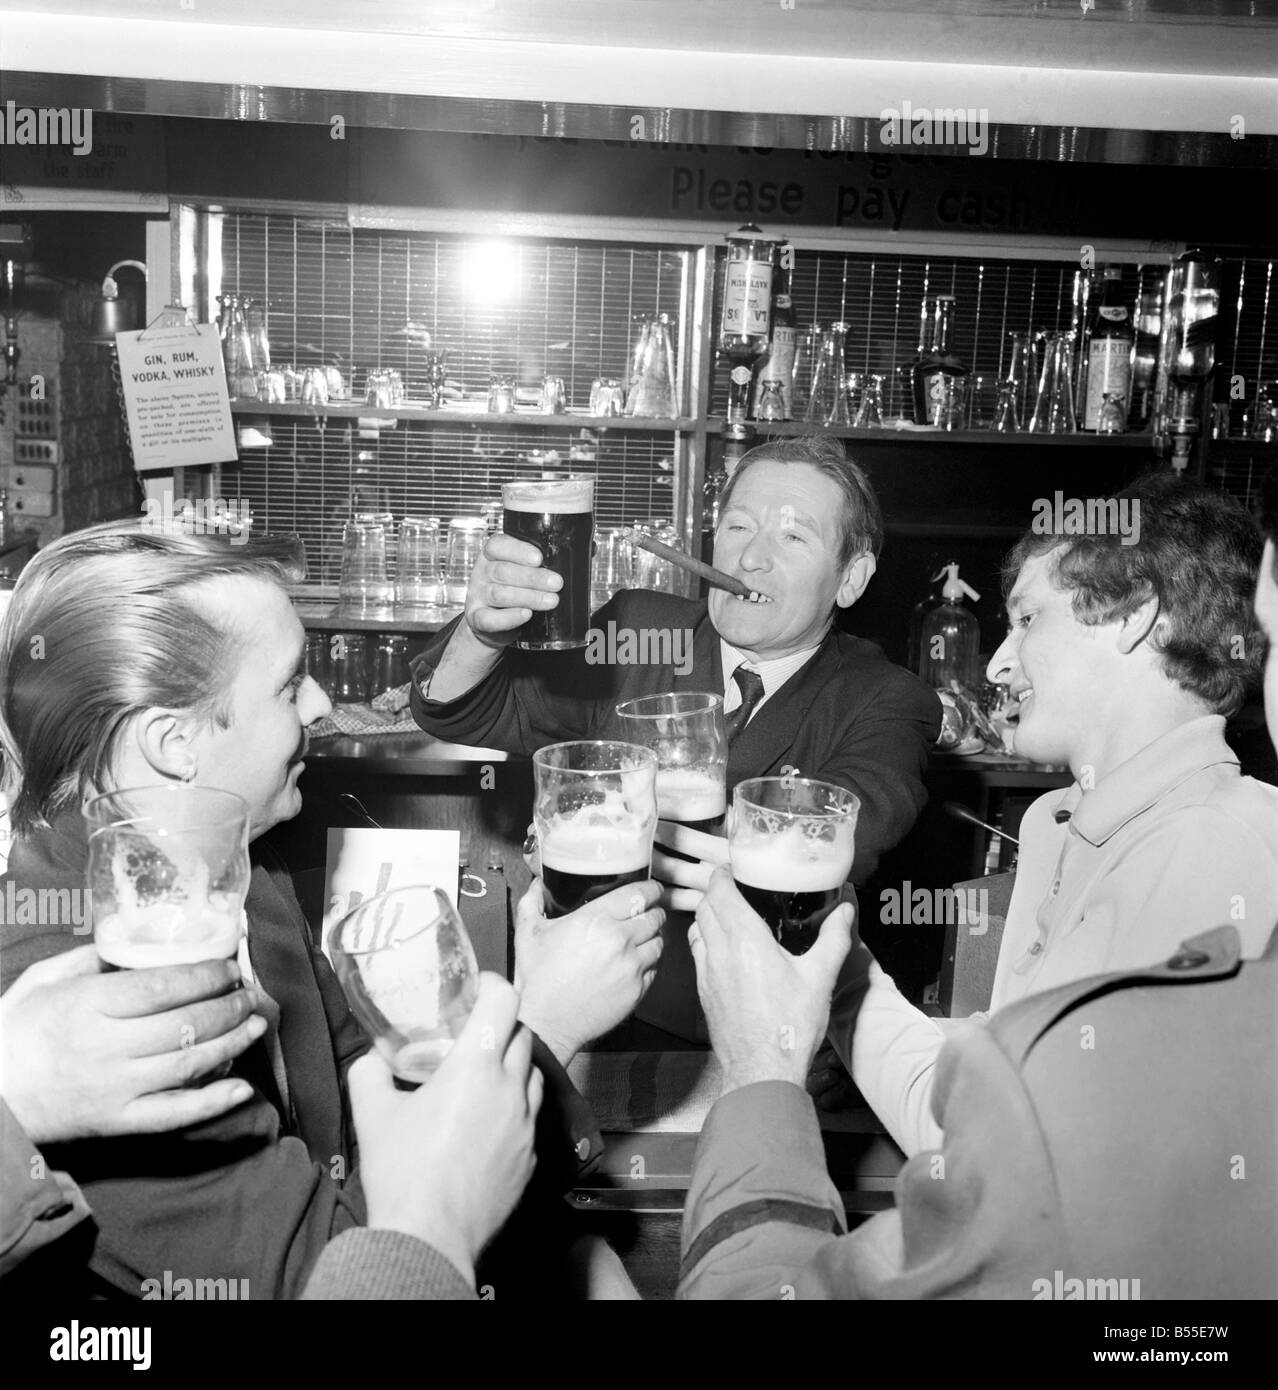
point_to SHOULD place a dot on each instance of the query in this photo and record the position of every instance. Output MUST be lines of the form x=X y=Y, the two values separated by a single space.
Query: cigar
x=687 y=562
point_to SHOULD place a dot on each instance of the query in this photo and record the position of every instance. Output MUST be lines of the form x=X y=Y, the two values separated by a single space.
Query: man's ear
x=163 y=738
x=855 y=578
x=1137 y=626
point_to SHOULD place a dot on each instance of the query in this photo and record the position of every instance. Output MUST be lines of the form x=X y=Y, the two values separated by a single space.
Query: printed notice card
x=175 y=396
x=362 y=862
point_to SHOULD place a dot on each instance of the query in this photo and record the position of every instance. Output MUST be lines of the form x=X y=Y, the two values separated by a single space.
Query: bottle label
x=747 y=298
x=740 y=375
x=1109 y=371
x=1114 y=314
x=779 y=365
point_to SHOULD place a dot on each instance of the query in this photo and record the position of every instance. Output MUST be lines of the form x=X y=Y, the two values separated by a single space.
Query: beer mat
x=672 y=1092
x=388 y=714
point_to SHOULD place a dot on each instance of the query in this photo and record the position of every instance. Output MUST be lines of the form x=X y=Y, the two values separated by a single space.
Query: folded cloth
x=388 y=714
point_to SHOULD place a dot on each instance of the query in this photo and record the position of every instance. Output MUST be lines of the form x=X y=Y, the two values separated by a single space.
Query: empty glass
x=466 y=536
x=364 y=583
x=418 y=571
x=409 y=974
x=1011 y=389
x=436 y=361
x=168 y=872
x=1054 y=407
x=869 y=409
x=552 y=399
x=347 y=668
x=390 y=665
x=827 y=398
x=806 y=351
x=612 y=565
x=652 y=386
x=501 y=395
x=606 y=396
x=317 y=645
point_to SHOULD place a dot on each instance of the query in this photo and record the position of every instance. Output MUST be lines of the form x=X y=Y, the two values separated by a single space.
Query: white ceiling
x=1144 y=64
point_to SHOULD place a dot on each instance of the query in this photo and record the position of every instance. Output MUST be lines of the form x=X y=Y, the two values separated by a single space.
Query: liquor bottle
x=778 y=365
x=747 y=311
x=942 y=367
x=913 y=371
x=1109 y=350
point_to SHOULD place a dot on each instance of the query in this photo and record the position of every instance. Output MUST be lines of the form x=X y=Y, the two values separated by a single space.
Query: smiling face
x=271 y=702
x=781 y=534
x=1267 y=615
x=1065 y=673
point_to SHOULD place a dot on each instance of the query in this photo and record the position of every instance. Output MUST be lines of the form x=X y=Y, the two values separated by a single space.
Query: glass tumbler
x=347 y=668
x=390 y=665
x=466 y=536
x=364 y=581
x=409 y=973
x=418 y=572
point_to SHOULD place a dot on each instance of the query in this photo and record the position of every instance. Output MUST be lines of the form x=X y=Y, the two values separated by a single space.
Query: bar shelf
x=358 y=410
x=784 y=429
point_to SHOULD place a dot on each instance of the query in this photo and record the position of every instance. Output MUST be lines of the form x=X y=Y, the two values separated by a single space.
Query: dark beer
x=795 y=918
x=580 y=864
x=692 y=798
x=557 y=518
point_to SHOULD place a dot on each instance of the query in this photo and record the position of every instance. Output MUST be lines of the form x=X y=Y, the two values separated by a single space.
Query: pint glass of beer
x=168 y=873
x=791 y=841
x=557 y=517
x=686 y=732
x=595 y=813
x=409 y=974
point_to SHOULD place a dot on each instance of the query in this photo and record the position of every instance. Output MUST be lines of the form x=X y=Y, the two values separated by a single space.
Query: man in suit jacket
x=800 y=525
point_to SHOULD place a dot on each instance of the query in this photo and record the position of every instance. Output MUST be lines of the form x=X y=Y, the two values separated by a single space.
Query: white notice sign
x=175 y=396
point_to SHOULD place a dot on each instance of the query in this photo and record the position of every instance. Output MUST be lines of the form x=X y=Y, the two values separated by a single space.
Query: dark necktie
x=750 y=684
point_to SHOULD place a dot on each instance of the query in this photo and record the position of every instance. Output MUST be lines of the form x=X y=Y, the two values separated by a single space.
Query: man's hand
x=447 y=1163
x=684 y=884
x=507 y=584
x=88 y=1054
x=580 y=975
x=766 y=1009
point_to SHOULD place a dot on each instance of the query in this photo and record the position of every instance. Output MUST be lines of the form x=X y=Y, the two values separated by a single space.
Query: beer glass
x=410 y=976
x=167 y=875
x=791 y=842
x=557 y=517
x=686 y=732
x=595 y=811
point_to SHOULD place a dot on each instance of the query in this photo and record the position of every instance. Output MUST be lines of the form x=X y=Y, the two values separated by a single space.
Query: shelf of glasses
x=359 y=410
x=915 y=434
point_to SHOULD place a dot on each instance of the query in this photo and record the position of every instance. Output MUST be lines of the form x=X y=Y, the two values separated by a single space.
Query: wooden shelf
x=764 y=429
x=328 y=616
x=481 y=419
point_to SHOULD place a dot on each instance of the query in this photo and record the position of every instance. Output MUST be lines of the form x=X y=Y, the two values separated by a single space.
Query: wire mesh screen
x=364 y=299
x=311 y=480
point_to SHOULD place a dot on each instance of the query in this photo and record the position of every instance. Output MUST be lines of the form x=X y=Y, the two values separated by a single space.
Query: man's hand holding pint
x=766 y=1009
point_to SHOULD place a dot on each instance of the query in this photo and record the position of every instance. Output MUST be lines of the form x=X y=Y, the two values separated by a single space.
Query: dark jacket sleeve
x=881 y=756
x=529 y=699
x=37 y=1205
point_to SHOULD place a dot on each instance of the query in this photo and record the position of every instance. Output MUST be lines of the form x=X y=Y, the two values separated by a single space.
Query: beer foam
x=589 y=850
x=684 y=794
x=791 y=862
x=542 y=498
x=168 y=934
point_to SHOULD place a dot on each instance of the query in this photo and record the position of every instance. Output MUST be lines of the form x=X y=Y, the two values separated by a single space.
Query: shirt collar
x=773 y=674
x=1145 y=778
